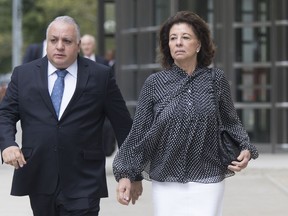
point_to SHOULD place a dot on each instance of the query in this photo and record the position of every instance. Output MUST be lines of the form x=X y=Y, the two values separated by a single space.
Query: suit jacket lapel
x=82 y=78
x=42 y=78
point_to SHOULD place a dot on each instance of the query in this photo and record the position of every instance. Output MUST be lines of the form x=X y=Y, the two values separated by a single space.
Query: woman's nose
x=178 y=41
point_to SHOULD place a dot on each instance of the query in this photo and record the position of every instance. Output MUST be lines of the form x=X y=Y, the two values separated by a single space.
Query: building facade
x=251 y=39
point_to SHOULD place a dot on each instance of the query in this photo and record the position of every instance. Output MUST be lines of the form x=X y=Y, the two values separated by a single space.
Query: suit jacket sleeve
x=9 y=114
x=117 y=111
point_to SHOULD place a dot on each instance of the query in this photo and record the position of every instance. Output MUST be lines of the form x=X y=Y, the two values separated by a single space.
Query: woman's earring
x=198 y=50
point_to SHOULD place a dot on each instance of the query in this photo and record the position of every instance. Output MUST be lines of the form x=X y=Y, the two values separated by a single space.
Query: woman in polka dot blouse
x=173 y=140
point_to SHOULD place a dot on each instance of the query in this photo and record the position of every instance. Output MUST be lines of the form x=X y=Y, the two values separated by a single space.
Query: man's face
x=62 y=45
x=87 y=46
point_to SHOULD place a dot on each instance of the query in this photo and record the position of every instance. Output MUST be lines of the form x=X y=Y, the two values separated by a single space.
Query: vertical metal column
x=174 y=6
x=284 y=45
x=17 y=33
x=101 y=33
x=224 y=35
x=229 y=44
x=273 y=126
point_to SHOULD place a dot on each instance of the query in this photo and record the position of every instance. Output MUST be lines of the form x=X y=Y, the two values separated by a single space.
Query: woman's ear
x=199 y=47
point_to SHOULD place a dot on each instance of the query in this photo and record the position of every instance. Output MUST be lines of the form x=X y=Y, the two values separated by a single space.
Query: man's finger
x=20 y=159
x=123 y=191
x=126 y=194
x=13 y=156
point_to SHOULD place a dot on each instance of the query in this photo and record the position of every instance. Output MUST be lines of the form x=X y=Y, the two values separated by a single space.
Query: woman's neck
x=188 y=67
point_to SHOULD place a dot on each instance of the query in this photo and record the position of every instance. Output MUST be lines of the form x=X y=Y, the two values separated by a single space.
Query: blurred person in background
x=4 y=81
x=110 y=57
x=88 y=48
x=35 y=51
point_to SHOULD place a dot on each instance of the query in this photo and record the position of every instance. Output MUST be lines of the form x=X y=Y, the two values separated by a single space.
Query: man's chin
x=59 y=63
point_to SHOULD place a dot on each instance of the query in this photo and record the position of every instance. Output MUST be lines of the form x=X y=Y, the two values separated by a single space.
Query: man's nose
x=59 y=45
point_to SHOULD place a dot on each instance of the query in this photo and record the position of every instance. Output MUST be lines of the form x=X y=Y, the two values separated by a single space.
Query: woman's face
x=183 y=44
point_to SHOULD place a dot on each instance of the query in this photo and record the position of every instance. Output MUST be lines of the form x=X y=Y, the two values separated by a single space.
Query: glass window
x=252 y=44
x=200 y=7
x=162 y=11
x=253 y=85
x=109 y=23
x=252 y=10
x=257 y=123
x=110 y=43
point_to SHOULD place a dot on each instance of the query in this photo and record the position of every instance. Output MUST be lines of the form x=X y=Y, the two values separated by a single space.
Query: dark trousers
x=58 y=205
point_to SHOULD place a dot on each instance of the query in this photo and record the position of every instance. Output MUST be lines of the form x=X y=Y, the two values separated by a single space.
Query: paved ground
x=260 y=190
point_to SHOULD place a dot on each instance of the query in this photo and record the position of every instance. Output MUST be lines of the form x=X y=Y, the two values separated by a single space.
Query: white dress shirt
x=92 y=57
x=70 y=84
x=44 y=48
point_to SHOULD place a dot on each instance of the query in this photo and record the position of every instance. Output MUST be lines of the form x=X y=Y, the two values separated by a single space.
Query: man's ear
x=79 y=46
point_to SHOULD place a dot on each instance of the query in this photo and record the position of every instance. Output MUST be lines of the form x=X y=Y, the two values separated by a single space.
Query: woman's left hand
x=243 y=160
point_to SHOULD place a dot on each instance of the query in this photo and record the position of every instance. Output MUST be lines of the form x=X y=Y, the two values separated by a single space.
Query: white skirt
x=189 y=199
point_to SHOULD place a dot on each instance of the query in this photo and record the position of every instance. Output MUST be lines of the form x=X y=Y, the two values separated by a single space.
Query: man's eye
x=67 y=41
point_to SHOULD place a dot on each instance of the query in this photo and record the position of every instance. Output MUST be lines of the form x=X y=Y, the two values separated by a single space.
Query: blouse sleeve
x=229 y=117
x=129 y=160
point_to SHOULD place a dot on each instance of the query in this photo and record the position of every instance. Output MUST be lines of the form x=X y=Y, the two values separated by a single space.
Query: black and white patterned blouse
x=174 y=133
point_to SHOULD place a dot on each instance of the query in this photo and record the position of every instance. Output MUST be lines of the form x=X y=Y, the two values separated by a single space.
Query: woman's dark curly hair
x=201 y=30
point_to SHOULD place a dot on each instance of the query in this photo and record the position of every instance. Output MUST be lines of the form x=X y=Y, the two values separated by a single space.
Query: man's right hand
x=13 y=155
x=123 y=191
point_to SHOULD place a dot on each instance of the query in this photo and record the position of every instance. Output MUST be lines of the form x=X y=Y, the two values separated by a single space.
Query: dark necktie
x=58 y=89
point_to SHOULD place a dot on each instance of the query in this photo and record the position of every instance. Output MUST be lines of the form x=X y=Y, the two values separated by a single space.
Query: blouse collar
x=179 y=71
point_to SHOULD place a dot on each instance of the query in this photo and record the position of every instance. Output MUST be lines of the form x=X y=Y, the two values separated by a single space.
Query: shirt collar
x=72 y=69
x=92 y=57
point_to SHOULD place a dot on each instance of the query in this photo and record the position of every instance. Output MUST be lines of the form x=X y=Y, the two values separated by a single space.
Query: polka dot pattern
x=174 y=133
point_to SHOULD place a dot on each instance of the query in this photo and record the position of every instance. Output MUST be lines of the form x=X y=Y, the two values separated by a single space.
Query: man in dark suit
x=35 y=51
x=61 y=163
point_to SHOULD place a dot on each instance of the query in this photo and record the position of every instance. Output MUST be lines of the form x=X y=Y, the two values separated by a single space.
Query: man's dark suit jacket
x=69 y=150
x=109 y=141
